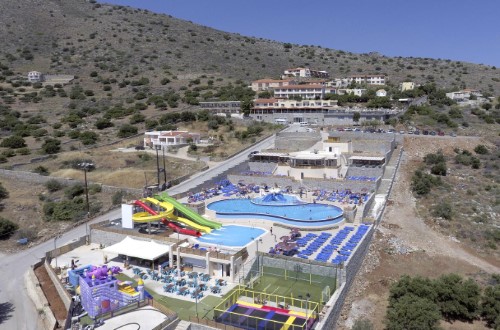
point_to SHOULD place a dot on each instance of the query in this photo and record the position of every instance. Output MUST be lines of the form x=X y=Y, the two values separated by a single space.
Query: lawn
x=293 y=286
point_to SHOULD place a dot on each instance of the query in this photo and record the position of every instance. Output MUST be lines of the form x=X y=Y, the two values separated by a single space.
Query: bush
x=69 y=210
x=95 y=188
x=51 y=146
x=53 y=185
x=73 y=191
x=438 y=157
x=7 y=228
x=42 y=170
x=456 y=298
x=127 y=131
x=23 y=151
x=439 y=169
x=422 y=183
x=13 y=142
x=88 y=137
x=103 y=123
x=490 y=306
x=117 y=197
x=481 y=149
x=443 y=210
x=412 y=312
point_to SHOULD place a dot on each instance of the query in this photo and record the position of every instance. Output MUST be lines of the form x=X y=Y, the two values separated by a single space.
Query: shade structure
x=147 y=250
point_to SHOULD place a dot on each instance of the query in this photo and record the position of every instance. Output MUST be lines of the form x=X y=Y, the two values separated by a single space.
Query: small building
x=305 y=73
x=407 y=86
x=169 y=138
x=266 y=84
x=464 y=95
x=381 y=93
x=35 y=76
x=354 y=91
x=369 y=79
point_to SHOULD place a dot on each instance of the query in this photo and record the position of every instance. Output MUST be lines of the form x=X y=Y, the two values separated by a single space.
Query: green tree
x=412 y=313
x=457 y=299
x=443 y=210
x=439 y=169
x=3 y=192
x=103 y=123
x=490 y=306
x=13 y=142
x=53 y=185
x=7 y=228
x=356 y=116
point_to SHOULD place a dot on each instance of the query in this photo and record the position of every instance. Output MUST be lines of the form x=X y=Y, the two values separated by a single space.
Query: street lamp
x=55 y=247
x=158 y=147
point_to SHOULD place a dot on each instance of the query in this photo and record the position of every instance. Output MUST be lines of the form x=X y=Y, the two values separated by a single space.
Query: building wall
x=261 y=167
x=296 y=141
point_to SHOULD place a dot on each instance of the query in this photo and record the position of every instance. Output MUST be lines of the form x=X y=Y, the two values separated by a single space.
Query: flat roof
x=366 y=158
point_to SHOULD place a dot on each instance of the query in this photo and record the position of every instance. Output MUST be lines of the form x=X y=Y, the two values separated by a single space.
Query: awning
x=148 y=250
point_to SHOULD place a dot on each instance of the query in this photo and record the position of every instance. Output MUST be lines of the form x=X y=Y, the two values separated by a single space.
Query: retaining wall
x=38 y=297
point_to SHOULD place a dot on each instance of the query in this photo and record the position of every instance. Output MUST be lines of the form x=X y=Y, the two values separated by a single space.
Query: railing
x=211 y=323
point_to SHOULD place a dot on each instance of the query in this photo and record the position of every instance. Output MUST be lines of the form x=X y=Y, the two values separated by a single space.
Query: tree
x=103 y=123
x=53 y=185
x=13 y=142
x=51 y=146
x=356 y=116
x=246 y=106
x=443 y=210
x=456 y=298
x=490 y=306
x=412 y=312
x=7 y=228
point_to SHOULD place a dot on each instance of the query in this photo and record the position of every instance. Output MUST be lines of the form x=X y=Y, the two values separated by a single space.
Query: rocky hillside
x=78 y=37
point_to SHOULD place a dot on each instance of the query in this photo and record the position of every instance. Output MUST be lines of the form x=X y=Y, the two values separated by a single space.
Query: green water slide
x=187 y=212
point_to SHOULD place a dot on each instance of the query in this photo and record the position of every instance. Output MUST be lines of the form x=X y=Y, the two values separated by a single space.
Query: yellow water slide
x=168 y=213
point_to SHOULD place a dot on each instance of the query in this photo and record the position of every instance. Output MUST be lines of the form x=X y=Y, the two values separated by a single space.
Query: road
x=17 y=311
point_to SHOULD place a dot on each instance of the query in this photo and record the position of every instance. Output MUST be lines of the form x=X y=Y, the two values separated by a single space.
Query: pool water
x=231 y=235
x=305 y=214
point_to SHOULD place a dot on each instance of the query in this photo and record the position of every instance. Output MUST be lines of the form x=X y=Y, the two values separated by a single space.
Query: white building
x=369 y=79
x=354 y=91
x=312 y=91
x=169 y=138
x=35 y=76
x=464 y=94
x=222 y=107
x=305 y=73
x=381 y=93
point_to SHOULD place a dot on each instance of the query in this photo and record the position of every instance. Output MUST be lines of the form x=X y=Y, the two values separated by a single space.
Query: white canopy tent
x=147 y=250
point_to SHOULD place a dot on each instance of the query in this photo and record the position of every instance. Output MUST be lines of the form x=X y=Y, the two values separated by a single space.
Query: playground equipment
x=152 y=215
x=187 y=212
x=168 y=206
x=103 y=293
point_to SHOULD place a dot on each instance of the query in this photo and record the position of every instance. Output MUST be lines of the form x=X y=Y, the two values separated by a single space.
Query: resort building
x=266 y=84
x=222 y=107
x=163 y=139
x=381 y=93
x=311 y=91
x=35 y=76
x=369 y=79
x=305 y=73
x=354 y=91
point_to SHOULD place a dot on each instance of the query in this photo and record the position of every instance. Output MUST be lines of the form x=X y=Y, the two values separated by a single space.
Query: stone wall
x=365 y=171
x=261 y=167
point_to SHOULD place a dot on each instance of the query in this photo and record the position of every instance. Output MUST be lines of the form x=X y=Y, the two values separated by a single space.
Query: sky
x=447 y=29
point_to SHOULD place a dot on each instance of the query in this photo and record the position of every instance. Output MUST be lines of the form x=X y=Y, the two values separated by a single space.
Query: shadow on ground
x=6 y=310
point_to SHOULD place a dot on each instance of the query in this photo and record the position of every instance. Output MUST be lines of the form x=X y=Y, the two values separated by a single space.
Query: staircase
x=183 y=325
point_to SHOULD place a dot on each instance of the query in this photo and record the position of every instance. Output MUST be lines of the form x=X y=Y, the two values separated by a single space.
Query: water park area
x=254 y=258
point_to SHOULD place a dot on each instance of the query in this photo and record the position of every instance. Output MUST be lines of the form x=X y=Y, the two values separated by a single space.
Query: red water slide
x=168 y=223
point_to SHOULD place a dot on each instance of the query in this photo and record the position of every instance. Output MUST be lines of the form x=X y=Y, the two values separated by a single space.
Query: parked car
x=453 y=134
x=441 y=133
x=253 y=153
x=417 y=133
x=139 y=148
x=432 y=133
x=426 y=132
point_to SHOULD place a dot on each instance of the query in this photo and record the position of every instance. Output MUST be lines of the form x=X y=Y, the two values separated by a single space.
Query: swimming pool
x=301 y=215
x=231 y=235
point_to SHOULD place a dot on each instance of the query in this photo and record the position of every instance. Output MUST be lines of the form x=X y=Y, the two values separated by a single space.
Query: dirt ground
x=405 y=244
x=55 y=302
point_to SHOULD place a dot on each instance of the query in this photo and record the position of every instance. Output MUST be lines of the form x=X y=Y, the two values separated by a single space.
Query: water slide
x=186 y=211
x=170 y=209
x=152 y=215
